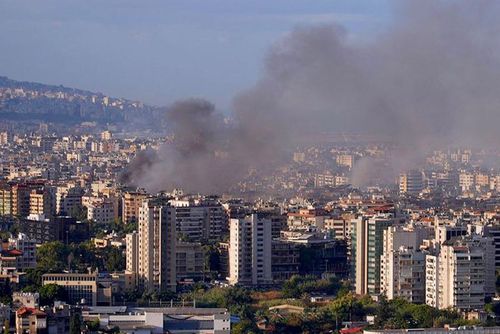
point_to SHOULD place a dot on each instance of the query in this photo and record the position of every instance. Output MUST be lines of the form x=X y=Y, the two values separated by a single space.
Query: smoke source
x=432 y=79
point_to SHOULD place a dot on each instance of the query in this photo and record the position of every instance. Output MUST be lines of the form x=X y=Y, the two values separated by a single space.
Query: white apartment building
x=466 y=181
x=132 y=252
x=346 y=160
x=339 y=228
x=68 y=199
x=199 y=219
x=132 y=258
x=402 y=264
x=462 y=274
x=250 y=250
x=411 y=182
x=157 y=244
x=102 y=210
x=28 y=248
x=404 y=275
x=447 y=229
x=431 y=279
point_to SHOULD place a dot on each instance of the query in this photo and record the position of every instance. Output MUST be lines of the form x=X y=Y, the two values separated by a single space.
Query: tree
x=50 y=293
x=130 y=227
x=93 y=325
x=343 y=308
x=75 y=324
x=424 y=315
x=114 y=259
x=383 y=312
x=212 y=258
x=114 y=330
x=79 y=213
x=297 y=285
x=14 y=229
x=6 y=326
x=235 y=299
x=132 y=295
x=4 y=235
x=244 y=327
x=5 y=292
x=52 y=257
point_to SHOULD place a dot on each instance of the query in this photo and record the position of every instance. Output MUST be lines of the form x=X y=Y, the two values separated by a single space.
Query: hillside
x=30 y=101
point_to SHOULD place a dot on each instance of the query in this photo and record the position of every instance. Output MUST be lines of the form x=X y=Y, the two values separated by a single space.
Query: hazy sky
x=159 y=51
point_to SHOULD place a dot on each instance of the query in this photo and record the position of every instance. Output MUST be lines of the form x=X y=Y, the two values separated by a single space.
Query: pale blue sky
x=159 y=51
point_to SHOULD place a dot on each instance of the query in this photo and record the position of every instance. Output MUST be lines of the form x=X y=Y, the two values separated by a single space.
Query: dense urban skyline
x=352 y=188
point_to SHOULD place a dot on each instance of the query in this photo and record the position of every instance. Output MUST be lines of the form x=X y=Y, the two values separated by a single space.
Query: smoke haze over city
x=155 y=179
x=429 y=81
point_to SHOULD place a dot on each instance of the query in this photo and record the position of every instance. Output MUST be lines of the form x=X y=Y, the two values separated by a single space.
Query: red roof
x=351 y=330
x=30 y=310
x=15 y=252
x=11 y=252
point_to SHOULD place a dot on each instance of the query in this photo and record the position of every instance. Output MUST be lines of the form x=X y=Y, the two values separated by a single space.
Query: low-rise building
x=81 y=288
x=149 y=320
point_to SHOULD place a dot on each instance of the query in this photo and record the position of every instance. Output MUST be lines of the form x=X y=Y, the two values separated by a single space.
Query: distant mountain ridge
x=6 y=82
x=31 y=101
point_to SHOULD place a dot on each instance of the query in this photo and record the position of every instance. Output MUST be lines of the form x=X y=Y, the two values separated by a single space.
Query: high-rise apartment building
x=200 y=219
x=402 y=264
x=493 y=231
x=462 y=274
x=42 y=202
x=21 y=193
x=404 y=275
x=102 y=209
x=131 y=204
x=132 y=258
x=250 y=250
x=68 y=199
x=367 y=248
x=6 y=200
x=411 y=182
x=132 y=252
x=28 y=248
x=190 y=261
x=157 y=245
x=431 y=279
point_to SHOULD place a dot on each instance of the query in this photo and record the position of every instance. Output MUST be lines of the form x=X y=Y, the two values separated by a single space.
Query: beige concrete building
x=131 y=204
x=190 y=261
x=157 y=241
x=250 y=250
x=102 y=209
x=462 y=275
x=411 y=182
x=402 y=264
x=81 y=288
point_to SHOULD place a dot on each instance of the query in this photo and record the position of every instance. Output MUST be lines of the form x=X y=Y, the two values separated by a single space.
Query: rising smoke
x=431 y=80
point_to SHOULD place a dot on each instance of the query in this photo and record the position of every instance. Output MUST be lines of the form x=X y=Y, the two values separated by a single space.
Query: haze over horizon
x=430 y=81
x=296 y=166
x=421 y=72
x=133 y=51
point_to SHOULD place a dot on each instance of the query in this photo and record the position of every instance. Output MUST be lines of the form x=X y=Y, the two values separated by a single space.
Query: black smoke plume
x=431 y=80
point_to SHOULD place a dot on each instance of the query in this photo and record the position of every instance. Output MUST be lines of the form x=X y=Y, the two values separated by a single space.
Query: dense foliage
x=322 y=317
x=54 y=257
